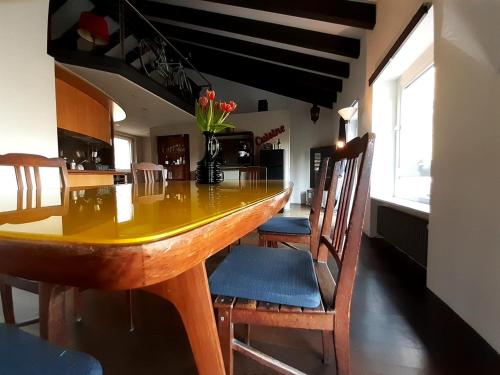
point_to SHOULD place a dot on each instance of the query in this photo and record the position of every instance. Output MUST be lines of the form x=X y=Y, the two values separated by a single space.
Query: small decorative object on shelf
x=210 y=118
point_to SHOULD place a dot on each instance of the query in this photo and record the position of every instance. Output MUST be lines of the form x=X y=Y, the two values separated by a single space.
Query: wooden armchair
x=26 y=163
x=294 y=288
x=297 y=229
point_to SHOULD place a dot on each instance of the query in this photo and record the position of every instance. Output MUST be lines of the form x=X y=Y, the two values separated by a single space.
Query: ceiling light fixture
x=314 y=113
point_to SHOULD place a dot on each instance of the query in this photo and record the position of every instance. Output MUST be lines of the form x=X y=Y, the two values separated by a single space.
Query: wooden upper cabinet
x=79 y=112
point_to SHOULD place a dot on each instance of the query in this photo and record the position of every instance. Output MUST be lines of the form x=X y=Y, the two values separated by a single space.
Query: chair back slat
x=344 y=205
x=315 y=212
x=38 y=180
x=27 y=176
x=352 y=177
x=28 y=161
x=19 y=177
x=253 y=173
x=148 y=172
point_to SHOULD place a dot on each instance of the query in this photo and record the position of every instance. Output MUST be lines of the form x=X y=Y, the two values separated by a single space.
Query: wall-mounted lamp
x=346 y=115
x=314 y=113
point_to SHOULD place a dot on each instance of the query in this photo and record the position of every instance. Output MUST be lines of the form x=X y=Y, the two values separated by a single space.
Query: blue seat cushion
x=283 y=276
x=287 y=225
x=25 y=354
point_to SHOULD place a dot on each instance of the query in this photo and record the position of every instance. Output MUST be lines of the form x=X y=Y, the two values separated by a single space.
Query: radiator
x=407 y=232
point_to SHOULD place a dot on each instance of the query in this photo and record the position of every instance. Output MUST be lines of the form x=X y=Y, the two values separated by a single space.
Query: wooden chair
x=297 y=229
x=24 y=163
x=292 y=289
x=148 y=170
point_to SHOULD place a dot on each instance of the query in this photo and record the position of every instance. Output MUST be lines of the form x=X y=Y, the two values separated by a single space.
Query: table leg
x=52 y=300
x=190 y=294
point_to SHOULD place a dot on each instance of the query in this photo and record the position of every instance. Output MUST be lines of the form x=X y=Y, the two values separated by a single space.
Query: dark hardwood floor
x=398 y=327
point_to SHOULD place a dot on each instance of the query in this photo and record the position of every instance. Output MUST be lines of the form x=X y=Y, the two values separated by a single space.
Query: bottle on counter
x=73 y=164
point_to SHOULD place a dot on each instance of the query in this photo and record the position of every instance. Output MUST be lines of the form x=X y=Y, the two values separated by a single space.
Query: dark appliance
x=274 y=161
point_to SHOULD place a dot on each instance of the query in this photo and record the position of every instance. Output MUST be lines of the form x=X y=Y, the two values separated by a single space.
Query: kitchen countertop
x=94 y=172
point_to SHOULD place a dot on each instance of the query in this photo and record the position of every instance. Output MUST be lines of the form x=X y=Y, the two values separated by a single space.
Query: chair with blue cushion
x=25 y=354
x=297 y=229
x=292 y=288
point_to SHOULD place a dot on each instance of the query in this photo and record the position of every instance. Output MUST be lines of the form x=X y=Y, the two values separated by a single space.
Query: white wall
x=464 y=236
x=303 y=133
x=27 y=84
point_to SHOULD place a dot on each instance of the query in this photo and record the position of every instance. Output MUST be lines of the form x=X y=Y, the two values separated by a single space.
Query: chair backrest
x=149 y=170
x=315 y=212
x=30 y=213
x=352 y=176
x=28 y=161
x=253 y=173
x=148 y=193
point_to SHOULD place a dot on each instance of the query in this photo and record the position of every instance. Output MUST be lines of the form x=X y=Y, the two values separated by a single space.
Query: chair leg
x=328 y=347
x=225 y=328
x=130 y=311
x=7 y=303
x=342 y=348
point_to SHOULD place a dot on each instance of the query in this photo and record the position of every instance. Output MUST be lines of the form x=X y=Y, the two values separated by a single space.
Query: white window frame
x=414 y=72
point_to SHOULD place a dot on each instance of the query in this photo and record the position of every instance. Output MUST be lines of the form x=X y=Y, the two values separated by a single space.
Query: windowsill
x=421 y=210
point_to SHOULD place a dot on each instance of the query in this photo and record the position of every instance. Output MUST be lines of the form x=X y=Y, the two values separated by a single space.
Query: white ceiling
x=144 y=109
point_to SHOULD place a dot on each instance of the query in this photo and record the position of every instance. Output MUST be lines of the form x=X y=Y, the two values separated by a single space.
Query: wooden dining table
x=152 y=237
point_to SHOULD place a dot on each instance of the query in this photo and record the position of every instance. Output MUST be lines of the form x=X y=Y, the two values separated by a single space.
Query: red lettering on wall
x=269 y=135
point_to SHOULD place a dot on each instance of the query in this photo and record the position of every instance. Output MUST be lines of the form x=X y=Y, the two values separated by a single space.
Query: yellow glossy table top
x=124 y=214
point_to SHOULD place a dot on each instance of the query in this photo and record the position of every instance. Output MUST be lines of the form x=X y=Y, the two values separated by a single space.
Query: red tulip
x=232 y=106
x=210 y=94
x=216 y=105
x=223 y=106
x=203 y=101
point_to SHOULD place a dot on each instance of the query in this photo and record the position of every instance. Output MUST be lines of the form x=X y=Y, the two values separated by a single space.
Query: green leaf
x=210 y=114
x=220 y=127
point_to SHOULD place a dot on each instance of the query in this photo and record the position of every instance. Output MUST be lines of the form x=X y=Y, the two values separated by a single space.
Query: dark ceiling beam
x=244 y=65
x=289 y=82
x=314 y=40
x=296 y=59
x=344 y=12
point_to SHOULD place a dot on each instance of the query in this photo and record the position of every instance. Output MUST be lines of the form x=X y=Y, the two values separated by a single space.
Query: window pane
x=123 y=153
x=413 y=179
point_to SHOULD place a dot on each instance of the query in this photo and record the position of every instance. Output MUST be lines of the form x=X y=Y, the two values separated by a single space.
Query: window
x=123 y=152
x=412 y=179
x=402 y=119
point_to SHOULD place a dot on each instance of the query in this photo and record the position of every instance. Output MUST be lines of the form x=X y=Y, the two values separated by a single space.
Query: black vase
x=209 y=170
